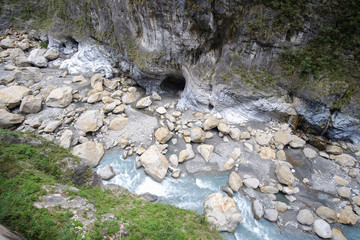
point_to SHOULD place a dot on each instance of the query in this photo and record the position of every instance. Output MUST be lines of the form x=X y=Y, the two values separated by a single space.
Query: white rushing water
x=190 y=191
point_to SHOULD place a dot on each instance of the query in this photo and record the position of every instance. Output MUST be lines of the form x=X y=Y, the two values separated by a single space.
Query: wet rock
x=30 y=104
x=107 y=172
x=281 y=207
x=297 y=142
x=322 y=229
x=305 y=217
x=59 y=97
x=271 y=215
x=310 y=153
x=144 y=102
x=282 y=137
x=52 y=126
x=210 y=123
x=345 y=160
x=155 y=163
x=222 y=212
x=205 y=150
x=37 y=58
x=267 y=153
x=65 y=139
x=163 y=135
x=229 y=164
x=11 y=96
x=337 y=234
x=8 y=119
x=327 y=214
x=251 y=183
x=335 y=150
x=90 y=152
x=90 y=121
x=284 y=175
x=197 y=135
x=347 y=216
x=257 y=209
x=52 y=54
x=235 y=181
x=118 y=123
x=227 y=190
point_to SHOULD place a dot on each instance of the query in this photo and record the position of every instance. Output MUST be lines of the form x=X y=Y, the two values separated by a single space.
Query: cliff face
x=244 y=59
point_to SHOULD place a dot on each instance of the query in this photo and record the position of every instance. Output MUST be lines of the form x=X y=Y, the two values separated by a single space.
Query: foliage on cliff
x=27 y=163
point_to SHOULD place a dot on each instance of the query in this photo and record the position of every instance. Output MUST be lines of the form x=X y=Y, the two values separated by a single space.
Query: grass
x=25 y=169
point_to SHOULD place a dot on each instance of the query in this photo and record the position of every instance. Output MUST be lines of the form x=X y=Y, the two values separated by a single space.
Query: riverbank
x=291 y=178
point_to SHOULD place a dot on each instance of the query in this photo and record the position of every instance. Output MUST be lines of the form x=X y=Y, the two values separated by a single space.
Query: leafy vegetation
x=25 y=169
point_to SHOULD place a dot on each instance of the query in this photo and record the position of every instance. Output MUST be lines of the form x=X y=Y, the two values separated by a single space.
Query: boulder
x=7 y=43
x=161 y=110
x=163 y=135
x=310 y=153
x=284 y=175
x=52 y=126
x=296 y=142
x=173 y=160
x=235 y=134
x=229 y=164
x=90 y=121
x=30 y=104
x=280 y=206
x=222 y=212
x=65 y=139
x=90 y=152
x=176 y=173
x=322 y=229
x=97 y=97
x=144 y=102
x=257 y=209
x=341 y=181
x=12 y=96
x=251 y=183
x=245 y=135
x=345 y=160
x=305 y=217
x=155 y=96
x=107 y=172
x=335 y=150
x=337 y=234
x=210 y=123
x=8 y=119
x=327 y=214
x=267 y=153
x=27 y=76
x=96 y=80
x=118 y=123
x=37 y=58
x=271 y=215
x=59 y=97
x=51 y=54
x=24 y=44
x=223 y=128
x=186 y=154
x=205 y=150
x=19 y=58
x=128 y=98
x=197 y=135
x=235 y=181
x=263 y=139
x=344 y=192
x=154 y=163
x=236 y=153
x=269 y=190
x=347 y=216
x=282 y=137
x=356 y=200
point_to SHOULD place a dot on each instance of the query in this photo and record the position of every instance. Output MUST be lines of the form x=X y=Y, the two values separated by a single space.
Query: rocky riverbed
x=292 y=178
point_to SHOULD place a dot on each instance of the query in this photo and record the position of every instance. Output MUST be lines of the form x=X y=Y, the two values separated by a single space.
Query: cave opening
x=173 y=84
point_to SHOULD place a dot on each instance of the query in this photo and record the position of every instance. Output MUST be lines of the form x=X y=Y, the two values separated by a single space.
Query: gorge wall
x=247 y=60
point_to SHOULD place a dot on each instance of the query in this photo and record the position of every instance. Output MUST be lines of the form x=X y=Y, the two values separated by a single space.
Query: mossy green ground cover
x=25 y=169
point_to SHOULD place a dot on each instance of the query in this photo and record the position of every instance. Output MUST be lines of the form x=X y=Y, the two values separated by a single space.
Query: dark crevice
x=173 y=84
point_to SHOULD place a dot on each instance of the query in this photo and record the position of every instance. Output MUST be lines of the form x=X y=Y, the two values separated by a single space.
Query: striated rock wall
x=228 y=53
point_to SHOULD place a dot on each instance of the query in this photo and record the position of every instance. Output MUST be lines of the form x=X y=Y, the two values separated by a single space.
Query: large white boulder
x=284 y=174
x=37 y=58
x=90 y=152
x=8 y=119
x=90 y=121
x=154 y=163
x=222 y=212
x=11 y=96
x=163 y=135
x=60 y=97
x=205 y=151
x=30 y=104
x=322 y=229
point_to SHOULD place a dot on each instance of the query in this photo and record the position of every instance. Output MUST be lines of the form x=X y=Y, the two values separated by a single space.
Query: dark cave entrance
x=173 y=84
